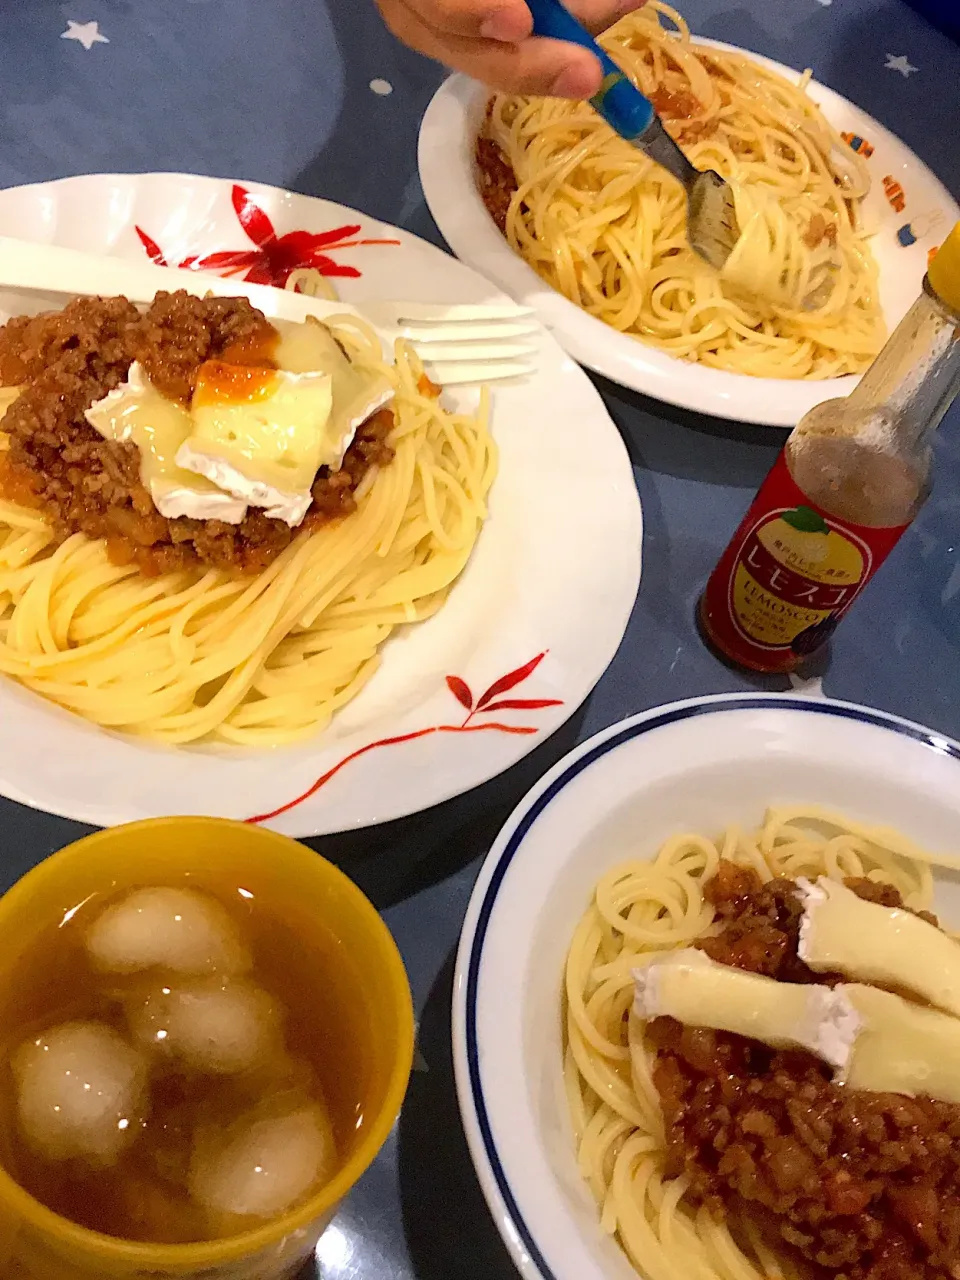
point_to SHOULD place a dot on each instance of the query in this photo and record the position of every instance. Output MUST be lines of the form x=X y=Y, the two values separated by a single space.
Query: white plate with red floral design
x=537 y=615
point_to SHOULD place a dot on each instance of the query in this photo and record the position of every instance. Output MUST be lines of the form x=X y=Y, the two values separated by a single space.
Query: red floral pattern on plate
x=488 y=702
x=273 y=257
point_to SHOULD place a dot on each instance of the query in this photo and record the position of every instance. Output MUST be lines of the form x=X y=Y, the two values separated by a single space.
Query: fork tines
x=460 y=313
x=464 y=343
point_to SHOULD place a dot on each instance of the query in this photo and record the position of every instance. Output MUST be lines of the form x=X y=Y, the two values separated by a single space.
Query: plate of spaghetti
x=542 y=197
x=268 y=570
x=733 y=1050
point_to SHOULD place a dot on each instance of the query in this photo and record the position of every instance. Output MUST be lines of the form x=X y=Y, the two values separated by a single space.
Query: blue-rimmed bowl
x=697 y=766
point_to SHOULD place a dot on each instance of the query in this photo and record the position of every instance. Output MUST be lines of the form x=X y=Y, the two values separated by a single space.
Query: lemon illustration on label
x=803 y=541
x=794 y=577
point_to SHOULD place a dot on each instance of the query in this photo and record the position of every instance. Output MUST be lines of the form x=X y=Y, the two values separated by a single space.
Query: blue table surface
x=279 y=91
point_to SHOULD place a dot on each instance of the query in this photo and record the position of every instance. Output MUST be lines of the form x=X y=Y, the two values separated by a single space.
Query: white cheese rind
x=901 y=1047
x=196 y=502
x=288 y=507
x=841 y=933
x=689 y=986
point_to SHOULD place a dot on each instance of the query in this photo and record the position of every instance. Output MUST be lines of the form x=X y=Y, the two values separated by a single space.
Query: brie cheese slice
x=901 y=1047
x=357 y=393
x=841 y=933
x=136 y=413
x=689 y=986
x=262 y=434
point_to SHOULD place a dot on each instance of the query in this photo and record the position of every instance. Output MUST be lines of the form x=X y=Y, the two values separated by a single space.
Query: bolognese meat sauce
x=860 y=1185
x=57 y=463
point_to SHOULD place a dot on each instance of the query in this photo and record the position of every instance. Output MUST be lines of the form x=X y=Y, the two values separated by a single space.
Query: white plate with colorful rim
x=908 y=205
x=538 y=612
x=700 y=765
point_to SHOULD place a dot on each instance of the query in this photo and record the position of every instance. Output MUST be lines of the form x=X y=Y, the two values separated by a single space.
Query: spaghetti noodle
x=312 y=282
x=265 y=659
x=639 y=910
x=606 y=226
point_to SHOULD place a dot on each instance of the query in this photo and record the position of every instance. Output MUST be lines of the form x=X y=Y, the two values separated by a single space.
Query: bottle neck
x=917 y=374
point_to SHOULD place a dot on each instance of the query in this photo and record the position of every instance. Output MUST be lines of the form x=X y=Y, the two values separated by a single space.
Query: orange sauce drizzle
x=219 y=382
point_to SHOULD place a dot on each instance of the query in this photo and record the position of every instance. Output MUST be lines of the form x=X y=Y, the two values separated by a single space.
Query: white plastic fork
x=462 y=342
x=458 y=344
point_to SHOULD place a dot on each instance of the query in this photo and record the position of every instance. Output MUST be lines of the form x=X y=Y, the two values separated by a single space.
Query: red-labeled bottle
x=851 y=478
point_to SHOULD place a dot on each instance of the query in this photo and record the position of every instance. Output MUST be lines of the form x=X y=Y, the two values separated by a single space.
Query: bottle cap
x=944 y=270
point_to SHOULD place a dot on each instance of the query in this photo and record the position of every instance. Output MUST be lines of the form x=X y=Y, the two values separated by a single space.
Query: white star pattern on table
x=898 y=62
x=85 y=33
x=812 y=688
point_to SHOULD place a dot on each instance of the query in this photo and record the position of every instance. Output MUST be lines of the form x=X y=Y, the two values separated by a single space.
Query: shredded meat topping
x=818 y=230
x=861 y=1185
x=496 y=179
x=679 y=105
x=58 y=463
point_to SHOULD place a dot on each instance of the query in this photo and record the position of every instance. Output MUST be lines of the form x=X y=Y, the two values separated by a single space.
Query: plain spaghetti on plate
x=605 y=225
x=209 y=525
x=721 y=1156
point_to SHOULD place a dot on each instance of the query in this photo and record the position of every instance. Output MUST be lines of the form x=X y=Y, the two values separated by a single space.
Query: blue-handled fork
x=712 y=227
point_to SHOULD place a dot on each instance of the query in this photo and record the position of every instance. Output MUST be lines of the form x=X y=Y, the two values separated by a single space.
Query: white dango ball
x=180 y=931
x=265 y=1165
x=81 y=1092
x=220 y=1027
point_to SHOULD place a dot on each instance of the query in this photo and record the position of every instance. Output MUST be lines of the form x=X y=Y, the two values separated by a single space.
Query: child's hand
x=491 y=41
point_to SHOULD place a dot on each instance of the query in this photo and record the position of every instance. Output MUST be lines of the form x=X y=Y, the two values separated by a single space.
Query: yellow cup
x=364 y=1001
